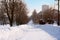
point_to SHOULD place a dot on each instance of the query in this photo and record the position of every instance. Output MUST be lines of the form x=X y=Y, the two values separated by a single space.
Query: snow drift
x=30 y=32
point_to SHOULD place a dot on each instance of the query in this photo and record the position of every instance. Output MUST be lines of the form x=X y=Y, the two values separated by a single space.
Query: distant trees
x=16 y=11
x=44 y=17
x=48 y=14
x=35 y=17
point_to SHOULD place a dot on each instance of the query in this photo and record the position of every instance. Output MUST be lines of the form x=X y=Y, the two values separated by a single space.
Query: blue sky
x=37 y=4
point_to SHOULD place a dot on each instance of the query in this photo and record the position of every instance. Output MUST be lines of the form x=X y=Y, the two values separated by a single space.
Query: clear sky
x=37 y=4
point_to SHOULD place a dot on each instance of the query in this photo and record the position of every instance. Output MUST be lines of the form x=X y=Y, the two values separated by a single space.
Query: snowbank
x=30 y=32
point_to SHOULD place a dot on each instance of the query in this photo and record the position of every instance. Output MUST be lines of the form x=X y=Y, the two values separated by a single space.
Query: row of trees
x=48 y=16
x=15 y=11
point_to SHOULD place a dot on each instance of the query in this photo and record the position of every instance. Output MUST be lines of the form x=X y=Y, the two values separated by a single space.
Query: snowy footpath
x=30 y=32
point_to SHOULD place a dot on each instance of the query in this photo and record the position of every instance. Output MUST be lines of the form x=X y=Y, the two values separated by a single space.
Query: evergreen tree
x=35 y=17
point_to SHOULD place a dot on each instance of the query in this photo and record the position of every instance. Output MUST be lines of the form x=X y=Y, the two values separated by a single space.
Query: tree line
x=48 y=16
x=15 y=12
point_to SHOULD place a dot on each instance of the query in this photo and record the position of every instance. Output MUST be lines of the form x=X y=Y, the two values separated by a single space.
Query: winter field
x=30 y=31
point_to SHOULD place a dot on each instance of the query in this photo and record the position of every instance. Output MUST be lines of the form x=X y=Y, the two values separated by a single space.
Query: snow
x=30 y=31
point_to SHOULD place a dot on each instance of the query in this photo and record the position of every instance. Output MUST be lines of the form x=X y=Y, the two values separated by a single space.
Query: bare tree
x=21 y=13
x=15 y=10
x=8 y=6
x=48 y=16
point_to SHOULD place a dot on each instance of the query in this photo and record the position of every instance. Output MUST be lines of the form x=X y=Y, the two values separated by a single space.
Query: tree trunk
x=11 y=23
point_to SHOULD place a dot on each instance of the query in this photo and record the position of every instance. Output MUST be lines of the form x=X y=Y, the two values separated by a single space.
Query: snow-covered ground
x=30 y=31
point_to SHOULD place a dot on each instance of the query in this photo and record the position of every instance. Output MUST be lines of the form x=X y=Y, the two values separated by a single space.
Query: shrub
x=50 y=21
x=42 y=22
